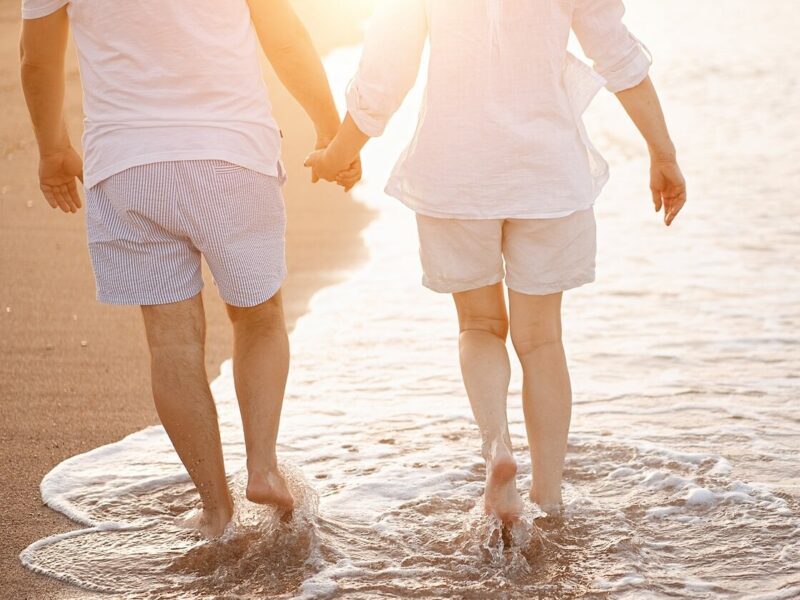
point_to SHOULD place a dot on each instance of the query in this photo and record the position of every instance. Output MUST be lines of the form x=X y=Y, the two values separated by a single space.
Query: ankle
x=495 y=447
x=552 y=503
x=262 y=465
x=219 y=510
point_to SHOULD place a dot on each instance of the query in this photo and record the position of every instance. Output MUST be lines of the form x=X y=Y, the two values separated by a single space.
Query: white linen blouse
x=500 y=131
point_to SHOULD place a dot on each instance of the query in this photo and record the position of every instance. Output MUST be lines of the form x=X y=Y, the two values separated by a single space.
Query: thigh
x=460 y=255
x=140 y=252
x=535 y=320
x=177 y=324
x=483 y=309
x=237 y=219
x=547 y=256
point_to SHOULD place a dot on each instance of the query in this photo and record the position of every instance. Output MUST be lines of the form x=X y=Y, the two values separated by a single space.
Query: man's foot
x=269 y=487
x=501 y=498
x=210 y=523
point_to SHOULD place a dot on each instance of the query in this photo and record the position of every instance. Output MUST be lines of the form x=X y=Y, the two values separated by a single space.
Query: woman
x=503 y=178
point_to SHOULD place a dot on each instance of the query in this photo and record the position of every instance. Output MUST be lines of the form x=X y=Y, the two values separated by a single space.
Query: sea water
x=682 y=479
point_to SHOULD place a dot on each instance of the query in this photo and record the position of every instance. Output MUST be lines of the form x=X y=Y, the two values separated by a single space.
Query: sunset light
x=369 y=299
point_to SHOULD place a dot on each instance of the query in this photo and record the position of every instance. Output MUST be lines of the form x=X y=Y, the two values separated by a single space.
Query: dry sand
x=73 y=373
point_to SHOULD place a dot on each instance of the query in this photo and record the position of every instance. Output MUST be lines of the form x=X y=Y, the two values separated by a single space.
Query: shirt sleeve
x=618 y=56
x=389 y=64
x=36 y=9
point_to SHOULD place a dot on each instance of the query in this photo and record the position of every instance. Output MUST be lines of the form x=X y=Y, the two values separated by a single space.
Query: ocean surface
x=682 y=479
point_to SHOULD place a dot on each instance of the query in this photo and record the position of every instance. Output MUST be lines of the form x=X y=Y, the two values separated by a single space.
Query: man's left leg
x=260 y=369
x=176 y=336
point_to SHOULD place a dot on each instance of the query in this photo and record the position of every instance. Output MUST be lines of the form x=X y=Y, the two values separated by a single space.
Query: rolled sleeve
x=36 y=9
x=389 y=65
x=618 y=56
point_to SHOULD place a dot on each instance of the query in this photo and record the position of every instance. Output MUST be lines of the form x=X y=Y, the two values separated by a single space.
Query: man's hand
x=57 y=175
x=324 y=166
x=668 y=187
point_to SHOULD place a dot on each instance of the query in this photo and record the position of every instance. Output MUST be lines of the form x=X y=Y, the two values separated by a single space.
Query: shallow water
x=682 y=478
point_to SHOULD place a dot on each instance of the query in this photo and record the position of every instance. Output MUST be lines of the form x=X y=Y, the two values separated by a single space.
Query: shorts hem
x=553 y=288
x=147 y=299
x=456 y=287
x=251 y=300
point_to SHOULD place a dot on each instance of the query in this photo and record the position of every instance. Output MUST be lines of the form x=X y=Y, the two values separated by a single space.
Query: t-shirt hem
x=264 y=167
x=421 y=207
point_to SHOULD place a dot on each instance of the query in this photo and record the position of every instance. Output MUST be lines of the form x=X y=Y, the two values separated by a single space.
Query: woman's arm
x=387 y=72
x=624 y=63
x=666 y=180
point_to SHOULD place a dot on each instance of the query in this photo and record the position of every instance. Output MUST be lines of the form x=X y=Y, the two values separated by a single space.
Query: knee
x=262 y=317
x=530 y=339
x=495 y=326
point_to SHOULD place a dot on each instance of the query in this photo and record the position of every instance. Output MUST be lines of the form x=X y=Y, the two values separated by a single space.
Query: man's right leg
x=260 y=369
x=485 y=367
x=176 y=336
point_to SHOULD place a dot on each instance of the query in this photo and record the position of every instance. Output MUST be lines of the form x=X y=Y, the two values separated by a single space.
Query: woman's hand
x=668 y=187
x=323 y=166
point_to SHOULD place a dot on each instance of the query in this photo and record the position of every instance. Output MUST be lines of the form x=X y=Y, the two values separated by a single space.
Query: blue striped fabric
x=150 y=225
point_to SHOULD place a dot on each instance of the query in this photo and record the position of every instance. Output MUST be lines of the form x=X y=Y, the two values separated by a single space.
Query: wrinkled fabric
x=168 y=81
x=500 y=131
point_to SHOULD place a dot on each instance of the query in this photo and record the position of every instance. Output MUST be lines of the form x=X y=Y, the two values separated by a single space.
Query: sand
x=74 y=373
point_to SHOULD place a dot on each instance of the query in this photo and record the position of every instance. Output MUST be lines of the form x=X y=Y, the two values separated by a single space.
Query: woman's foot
x=501 y=498
x=210 y=523
x=551 y=504
x=269 y=487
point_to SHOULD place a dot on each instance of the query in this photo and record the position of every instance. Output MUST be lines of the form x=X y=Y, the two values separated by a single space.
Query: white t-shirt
x=166 y=81
x=500 y=132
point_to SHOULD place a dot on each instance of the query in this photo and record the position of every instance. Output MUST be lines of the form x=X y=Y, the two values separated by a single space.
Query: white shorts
x=150 y=225
x=536 y=256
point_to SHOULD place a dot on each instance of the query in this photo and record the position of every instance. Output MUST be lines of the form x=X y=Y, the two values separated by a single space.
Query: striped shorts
x=149 y=227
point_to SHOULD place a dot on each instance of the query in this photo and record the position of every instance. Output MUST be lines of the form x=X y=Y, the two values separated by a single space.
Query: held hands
x=668 y=187
x=324 y=164
x=57 y=175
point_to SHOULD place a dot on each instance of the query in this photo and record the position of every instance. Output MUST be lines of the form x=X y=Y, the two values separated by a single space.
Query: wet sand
x=74 y=373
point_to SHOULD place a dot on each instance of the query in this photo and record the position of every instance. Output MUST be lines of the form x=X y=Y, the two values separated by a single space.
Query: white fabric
x=150 y=225
x=500 y=133
x=537 y=257
x=166 y=81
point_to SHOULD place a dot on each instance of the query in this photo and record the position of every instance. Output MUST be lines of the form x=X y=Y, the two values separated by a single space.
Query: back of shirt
x=500 y=131
x=177 y=80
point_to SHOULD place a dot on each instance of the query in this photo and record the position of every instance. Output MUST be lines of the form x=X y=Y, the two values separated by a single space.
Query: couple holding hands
x=182 y=161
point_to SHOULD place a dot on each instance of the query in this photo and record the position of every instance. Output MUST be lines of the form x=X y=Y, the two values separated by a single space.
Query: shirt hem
x=266 y=168
x=420 y=207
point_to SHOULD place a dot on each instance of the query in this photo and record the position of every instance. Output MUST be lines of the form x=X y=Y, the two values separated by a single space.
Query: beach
x=681 y=479
x=74 y=373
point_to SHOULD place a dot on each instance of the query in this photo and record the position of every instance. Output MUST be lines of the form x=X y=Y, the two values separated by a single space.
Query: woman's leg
x=546 y=390
x=485 y=367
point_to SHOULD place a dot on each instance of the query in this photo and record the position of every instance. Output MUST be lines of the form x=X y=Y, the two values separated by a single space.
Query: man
x=182 y=161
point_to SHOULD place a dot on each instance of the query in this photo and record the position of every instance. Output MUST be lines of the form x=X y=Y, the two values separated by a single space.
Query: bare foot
x=554 y=506
x=210 y=523
x=269 y=487
x=501 y=498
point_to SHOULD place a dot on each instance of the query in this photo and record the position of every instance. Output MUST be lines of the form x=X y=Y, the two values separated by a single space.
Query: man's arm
x=43 y=48
x=291 y=52
x=666 y=180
